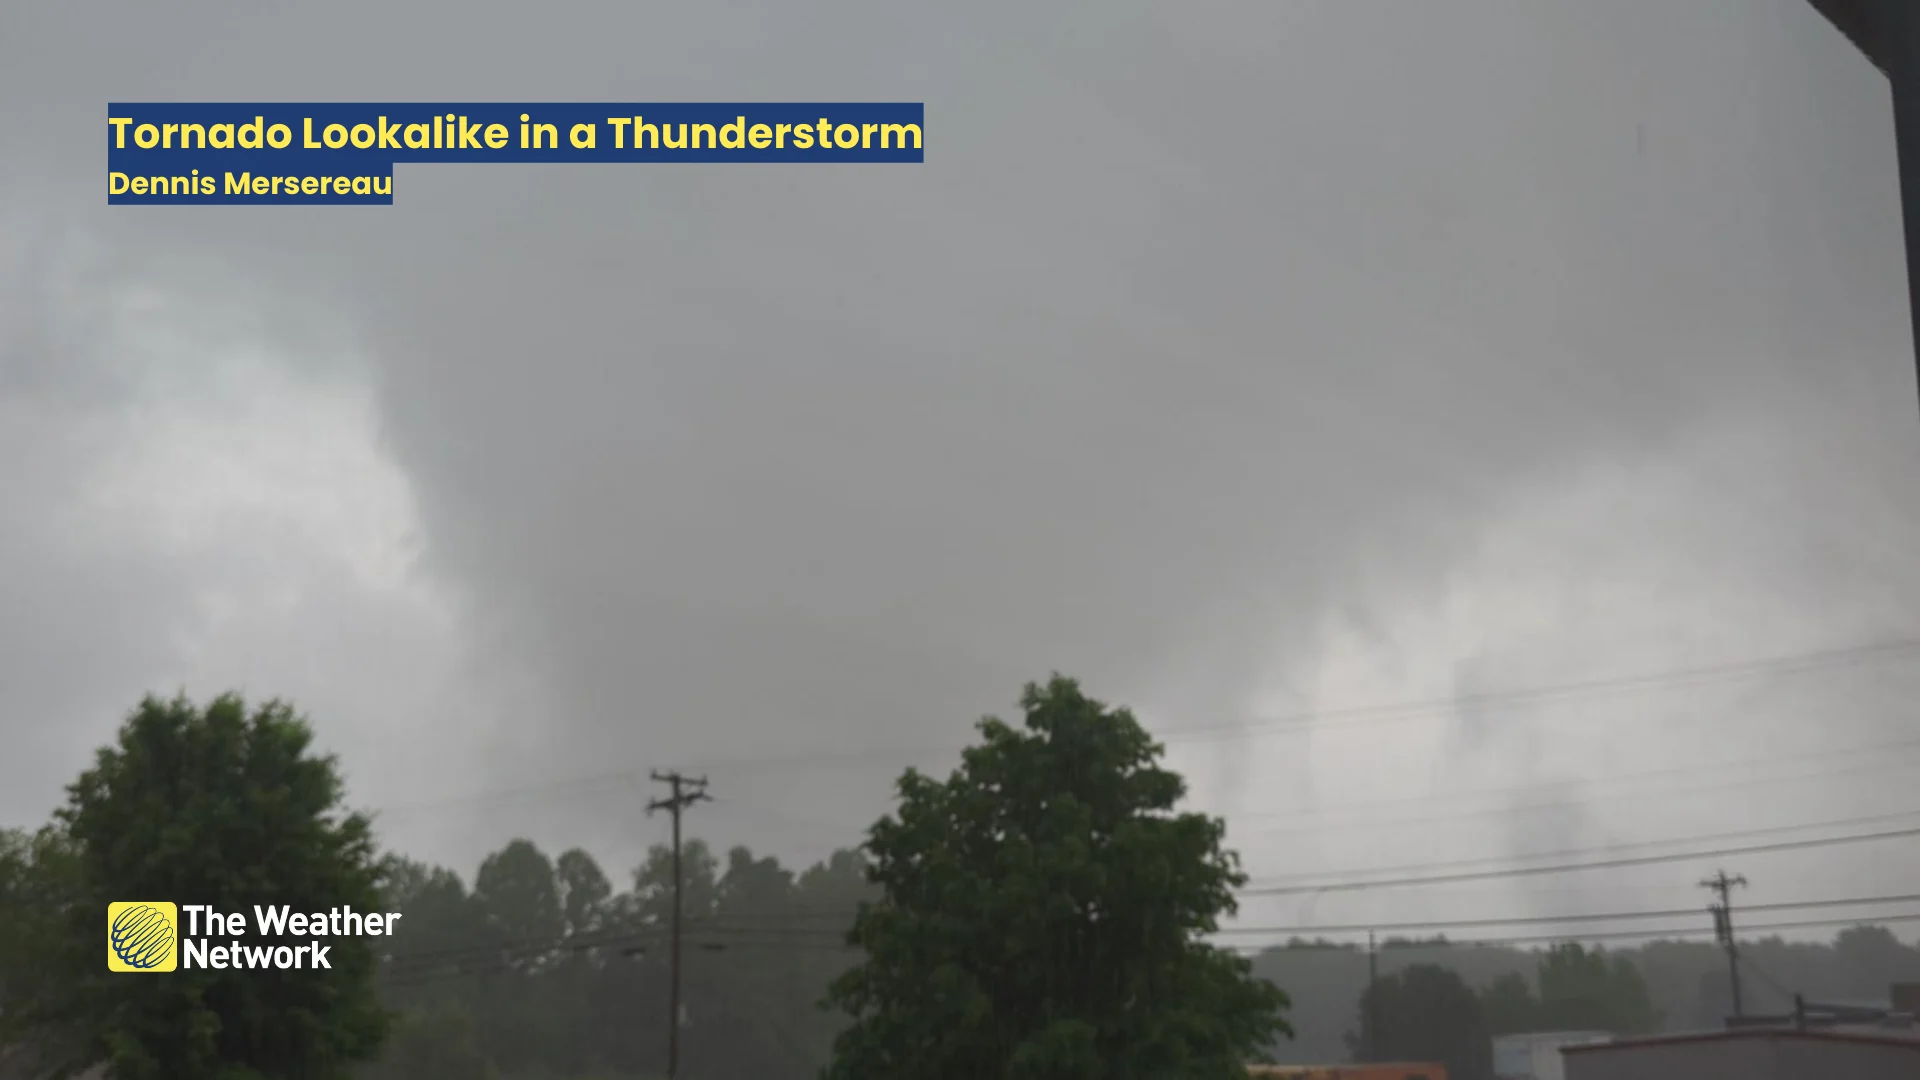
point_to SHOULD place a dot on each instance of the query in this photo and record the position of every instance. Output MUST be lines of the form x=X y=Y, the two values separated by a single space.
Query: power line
x=1516 y=809
x=1580 y=917
x=1770 y=980
x=1301 y=722
x=1604 y=849
x=716 y=937
x=1649 y=935
x=1315 y=814
x=1318 y=824
x=725 y=927
x=513 y=952
x=1568 y=868
x=1319 y=720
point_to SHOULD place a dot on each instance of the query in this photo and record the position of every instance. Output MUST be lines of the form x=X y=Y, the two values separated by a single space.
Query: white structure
x=1749 y=1054
x=1537 y=1056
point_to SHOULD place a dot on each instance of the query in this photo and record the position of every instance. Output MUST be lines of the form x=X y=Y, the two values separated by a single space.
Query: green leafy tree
x=652 y=898
x=440 y=926
x=1582 y=990
x=1509 y=1005
x=1042 y=915
x=518 y=898
x=754 y=888
x=838 y=882
x=583 y=891
x=1424 y=1013
x=35 y=889
x=227 y=807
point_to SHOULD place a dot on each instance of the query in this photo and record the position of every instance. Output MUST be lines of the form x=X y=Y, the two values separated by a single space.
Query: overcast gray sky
x=1249 y=361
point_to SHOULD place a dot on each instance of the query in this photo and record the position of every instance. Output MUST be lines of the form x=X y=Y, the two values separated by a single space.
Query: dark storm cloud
x=1199 y=328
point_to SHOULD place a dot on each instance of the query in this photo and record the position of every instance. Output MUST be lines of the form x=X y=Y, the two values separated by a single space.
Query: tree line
x=1043 y=912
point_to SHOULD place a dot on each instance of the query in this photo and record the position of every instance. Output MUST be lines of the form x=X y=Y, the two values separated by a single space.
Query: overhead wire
x=1301 y=722
x=1577 y=867
x=717 y=937
x=1602 y=849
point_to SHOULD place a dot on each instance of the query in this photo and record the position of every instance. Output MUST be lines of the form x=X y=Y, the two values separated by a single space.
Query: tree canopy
x=1042 y=915
x=1580 y=990
x=543 y=970
x=1424 y=1013
x=221 y=806
x=546 y=968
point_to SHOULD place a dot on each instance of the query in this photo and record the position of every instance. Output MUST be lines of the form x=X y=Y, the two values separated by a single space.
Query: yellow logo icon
x=142 y=936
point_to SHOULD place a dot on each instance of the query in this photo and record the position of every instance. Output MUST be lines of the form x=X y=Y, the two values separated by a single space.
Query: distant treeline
x=543 y=969
x=1685 y=984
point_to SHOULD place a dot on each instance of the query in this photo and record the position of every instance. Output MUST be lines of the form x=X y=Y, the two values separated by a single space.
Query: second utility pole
x=1371 y=1021
x=686 y=792
x=1723 y=885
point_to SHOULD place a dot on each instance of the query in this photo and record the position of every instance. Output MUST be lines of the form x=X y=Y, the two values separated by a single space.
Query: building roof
x=1869 y=24
x=1747 y=1034
x=1348 y=1065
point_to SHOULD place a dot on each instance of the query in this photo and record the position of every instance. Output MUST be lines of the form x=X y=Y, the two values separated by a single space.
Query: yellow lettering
x=759 y=135
x=620 y=131
x=117 y=183
x=239 y=185
x=119 y=126
x=889 y=131
x=581 y=136
x=220 y=137
x=734 y=136
x=418 y=137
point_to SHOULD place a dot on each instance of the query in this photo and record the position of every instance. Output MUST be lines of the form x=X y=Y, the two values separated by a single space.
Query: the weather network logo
x=142 y=936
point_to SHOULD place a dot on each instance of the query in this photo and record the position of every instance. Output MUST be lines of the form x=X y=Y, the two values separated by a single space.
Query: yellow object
x=143 y=936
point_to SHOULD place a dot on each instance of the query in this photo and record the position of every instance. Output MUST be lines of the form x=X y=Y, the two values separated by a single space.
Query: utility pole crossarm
x=1722 y=886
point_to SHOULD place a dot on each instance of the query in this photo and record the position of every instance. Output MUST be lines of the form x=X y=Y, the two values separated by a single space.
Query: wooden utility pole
x=1372 y=1019
x=1722 y=886
x=686 y=792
